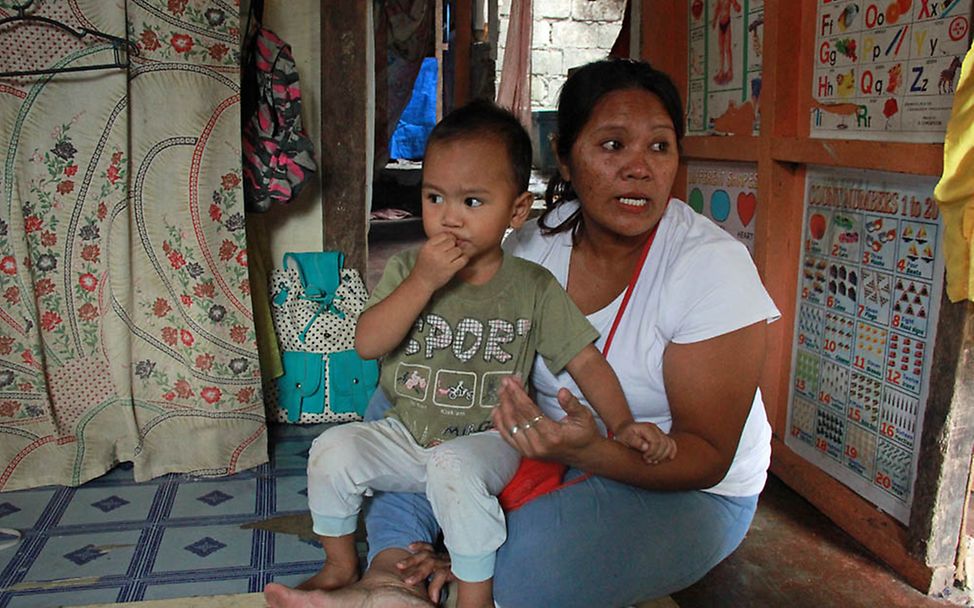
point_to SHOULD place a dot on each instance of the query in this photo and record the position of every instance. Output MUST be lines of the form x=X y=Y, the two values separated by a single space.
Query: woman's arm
x=710 y=386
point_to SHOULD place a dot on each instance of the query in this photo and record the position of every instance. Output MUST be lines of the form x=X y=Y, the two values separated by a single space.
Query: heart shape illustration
x=747 y=203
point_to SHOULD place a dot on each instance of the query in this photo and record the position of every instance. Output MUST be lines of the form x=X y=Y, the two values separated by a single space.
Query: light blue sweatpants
x=596 y=543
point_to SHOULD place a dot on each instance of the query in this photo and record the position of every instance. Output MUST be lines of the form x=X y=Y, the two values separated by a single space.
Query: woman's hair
x=584 y=88
x=485 y=118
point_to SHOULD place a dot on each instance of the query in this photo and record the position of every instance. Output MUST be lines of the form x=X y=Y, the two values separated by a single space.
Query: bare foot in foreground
x=361 y=595
x=330 y=577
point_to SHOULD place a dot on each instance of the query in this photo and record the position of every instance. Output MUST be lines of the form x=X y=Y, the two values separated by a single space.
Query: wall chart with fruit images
x=726 y=42
x=871 y=277
x=726 y=193
x=886 y=69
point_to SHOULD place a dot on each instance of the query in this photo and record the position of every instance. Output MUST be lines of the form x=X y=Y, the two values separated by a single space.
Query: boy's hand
x=646 y=437
x=439 y=259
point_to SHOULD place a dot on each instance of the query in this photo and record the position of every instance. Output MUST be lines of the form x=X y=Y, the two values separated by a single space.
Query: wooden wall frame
x=347 y=128
x=923 y=553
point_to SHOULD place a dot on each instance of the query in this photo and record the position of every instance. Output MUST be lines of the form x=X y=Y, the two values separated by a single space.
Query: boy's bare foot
x=359 y=595
x=330 y=577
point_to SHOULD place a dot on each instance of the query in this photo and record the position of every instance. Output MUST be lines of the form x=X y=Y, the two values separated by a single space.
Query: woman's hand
x=521 y=423
x=423 y=564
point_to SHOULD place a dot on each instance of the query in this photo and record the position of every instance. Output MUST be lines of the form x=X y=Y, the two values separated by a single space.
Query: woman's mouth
x=633 y=202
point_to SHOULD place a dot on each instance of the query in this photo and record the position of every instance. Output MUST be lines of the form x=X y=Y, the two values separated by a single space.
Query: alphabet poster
x=727 y=194
x=869 y=288
x=886 y=69
x=726 y=42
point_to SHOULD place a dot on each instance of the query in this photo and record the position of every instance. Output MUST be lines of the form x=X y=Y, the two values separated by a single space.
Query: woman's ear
x=563 y=169
x=522 y=209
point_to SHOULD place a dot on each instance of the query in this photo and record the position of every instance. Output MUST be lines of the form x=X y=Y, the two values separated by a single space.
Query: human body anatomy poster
x=871 y=277
x=726 y=42
x=726 y=193
x=886 y=69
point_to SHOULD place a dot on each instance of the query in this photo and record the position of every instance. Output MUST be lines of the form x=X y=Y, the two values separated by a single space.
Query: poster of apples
x=726 y=43
x=886 y=69
x=869 y=285
x=726 y=193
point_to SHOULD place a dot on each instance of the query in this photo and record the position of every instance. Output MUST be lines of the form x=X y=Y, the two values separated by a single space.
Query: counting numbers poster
x=726 y=42
x=727 y=194
x=870 y=281
x=886 y=69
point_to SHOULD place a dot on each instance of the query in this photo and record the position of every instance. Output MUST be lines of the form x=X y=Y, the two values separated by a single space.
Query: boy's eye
x=434 y=198
x=612 y=145
x=473 y=202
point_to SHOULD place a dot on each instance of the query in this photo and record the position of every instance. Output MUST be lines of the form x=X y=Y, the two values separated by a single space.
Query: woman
x=688 y=347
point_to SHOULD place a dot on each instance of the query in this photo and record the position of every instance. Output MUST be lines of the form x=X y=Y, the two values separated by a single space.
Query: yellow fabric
x=259 y=265
x=955 y=192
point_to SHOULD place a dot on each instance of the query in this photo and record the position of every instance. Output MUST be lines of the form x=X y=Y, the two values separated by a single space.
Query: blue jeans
x=596 y=543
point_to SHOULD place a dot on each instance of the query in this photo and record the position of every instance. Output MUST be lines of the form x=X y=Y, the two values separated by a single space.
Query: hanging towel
x=955 y=191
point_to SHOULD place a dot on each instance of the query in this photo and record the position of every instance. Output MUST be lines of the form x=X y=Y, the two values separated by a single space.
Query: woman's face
x=623 y=163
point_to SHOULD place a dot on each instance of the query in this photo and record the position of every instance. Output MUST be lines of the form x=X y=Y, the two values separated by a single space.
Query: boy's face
x=469 y=192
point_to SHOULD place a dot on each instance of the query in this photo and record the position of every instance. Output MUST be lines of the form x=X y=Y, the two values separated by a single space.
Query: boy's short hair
x=485 y=118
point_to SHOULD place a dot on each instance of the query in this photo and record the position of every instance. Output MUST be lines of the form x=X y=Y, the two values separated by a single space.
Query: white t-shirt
x=698 y=282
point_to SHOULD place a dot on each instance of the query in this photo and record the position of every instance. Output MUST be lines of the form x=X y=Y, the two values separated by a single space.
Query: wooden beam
x=462 y=42
x=347 y=76
x=943 y=466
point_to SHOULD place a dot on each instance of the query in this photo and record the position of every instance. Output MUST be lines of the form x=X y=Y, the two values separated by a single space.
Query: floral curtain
x=126 y=330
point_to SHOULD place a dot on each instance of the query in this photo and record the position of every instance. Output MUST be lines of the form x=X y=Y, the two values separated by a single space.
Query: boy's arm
x=383 y=326
x=601 y=387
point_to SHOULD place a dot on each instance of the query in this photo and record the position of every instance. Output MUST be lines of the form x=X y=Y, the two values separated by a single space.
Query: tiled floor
x=113 y=540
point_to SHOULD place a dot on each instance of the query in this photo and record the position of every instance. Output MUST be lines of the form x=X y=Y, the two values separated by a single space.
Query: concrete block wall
x=566 y=33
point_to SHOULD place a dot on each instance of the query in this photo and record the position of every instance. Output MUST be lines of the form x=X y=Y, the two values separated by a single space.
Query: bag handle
x=320 y=273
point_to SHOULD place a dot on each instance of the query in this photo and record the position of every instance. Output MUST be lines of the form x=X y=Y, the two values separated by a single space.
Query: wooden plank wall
x=923 y=553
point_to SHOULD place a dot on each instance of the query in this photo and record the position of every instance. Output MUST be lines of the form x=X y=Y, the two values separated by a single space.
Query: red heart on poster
x=747 y=203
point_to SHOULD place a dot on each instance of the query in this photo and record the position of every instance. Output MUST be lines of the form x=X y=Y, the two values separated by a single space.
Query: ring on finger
x=531 y=422
x=515 y=429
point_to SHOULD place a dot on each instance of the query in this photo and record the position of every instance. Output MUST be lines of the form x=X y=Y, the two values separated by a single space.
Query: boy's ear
x=521 y=209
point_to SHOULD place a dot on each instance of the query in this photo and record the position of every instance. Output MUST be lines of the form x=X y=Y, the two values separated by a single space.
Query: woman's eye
x=436 y=199
x=661 y=146
x=473 y=202
x=612 y=145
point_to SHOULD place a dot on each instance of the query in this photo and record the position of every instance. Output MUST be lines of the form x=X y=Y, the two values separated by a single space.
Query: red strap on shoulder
x=535 y=478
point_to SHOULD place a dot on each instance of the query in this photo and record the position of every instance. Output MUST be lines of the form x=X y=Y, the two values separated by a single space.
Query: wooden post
x=462 y=41
x=347 y=117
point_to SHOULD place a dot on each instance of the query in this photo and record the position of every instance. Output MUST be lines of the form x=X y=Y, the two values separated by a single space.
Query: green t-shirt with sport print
x=443 y=380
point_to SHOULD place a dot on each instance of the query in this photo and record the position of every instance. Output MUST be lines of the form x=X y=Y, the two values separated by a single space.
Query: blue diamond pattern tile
x=205 y=546
x=289 y=549
x=291 y=455
x=214 y=498
x=22 y=510
x=87 y=555
x=109 y=504
x=291 y=493
x=117 y=504
x=195 y=548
